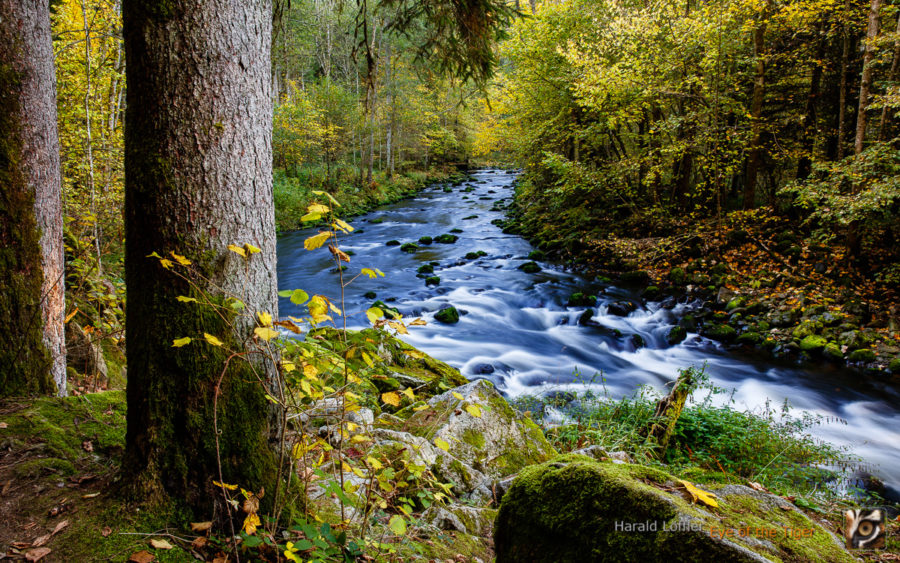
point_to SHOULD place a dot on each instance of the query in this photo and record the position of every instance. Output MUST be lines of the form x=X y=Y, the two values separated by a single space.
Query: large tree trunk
x=892 y=78
x=811 y=119
x=198 y=177
x=866 y=81
x=845 y=71
x=32 y=302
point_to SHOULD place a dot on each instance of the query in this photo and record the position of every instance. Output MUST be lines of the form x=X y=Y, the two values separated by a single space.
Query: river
x=517 y=331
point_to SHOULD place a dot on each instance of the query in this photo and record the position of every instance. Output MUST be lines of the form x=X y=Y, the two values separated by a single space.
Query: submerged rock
x=448 y=315
x=530 y=268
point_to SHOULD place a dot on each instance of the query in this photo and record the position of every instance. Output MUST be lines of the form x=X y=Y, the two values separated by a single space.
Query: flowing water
x=516 y=330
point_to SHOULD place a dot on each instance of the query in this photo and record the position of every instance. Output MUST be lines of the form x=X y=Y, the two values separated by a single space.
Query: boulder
x=621 y=308
x=576 y=508
x=481 y=430
x=447 y=315
x=676 y=335
x=530 y=267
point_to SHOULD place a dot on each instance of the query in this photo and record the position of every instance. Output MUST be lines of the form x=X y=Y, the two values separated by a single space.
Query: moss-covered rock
x=530 y=267
x=735 y=303
x=894 y=366
x=807 y=328
x=575 y=508
x=446 y=239
x=425 y=240
x=721 y=332
x=481 y=430
x=392 y=243
x=536 y=255
x=751 y=338
x=813 y=343
x=448 y=315
x=833 y=352
x=677 y=276
x=433 y=280
x=409 y=247
x=863 y=355
x=425 y=269
x=676 y=335
x=370 y=295
x=579 y=299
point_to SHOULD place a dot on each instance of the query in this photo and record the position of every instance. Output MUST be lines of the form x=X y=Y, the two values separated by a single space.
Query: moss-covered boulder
x=446 y=239
x=480 y=429
x=425 y=269
x=861 y=356
x=447 y=315
x=433 y=280
x=575 y=508
x=530 y=267
x=676 y=335
x=813 y=343
x=894 y=366
x=677 y=276
x=721 y=332
x=409 y=247
x=635 y=278
x=579 y=299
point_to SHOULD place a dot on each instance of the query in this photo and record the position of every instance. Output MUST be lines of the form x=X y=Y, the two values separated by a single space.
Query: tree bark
x=866 y=81
x=892 y=78
x=198 y=177
x=811 y=119
x=845 y=71
x=32 y=303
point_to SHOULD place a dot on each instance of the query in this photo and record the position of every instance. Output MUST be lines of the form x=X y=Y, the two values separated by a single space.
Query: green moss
x=448 y=315
x=425 y=269
x=446 y=239
x=24 y=360
x=813 y=343
x=433 y=280
x=894 y=366
x=721 y=332
x=833 y=352
x=474 y=438
x=36 y=467
x=677 y=276
x=409 y=247
x=861 y=356
x=752 y=338
x=530 y=267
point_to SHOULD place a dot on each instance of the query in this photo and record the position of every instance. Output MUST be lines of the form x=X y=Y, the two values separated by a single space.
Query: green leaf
x=374 y=313
x=299 y=297
x=179 y=342
x=442 y=444
x=397 y=525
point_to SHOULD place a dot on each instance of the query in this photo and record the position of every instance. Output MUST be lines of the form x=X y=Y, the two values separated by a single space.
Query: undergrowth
x=712 y=440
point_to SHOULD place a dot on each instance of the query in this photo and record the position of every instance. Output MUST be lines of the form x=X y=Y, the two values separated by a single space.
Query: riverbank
x=760 y=283
x=294 y=193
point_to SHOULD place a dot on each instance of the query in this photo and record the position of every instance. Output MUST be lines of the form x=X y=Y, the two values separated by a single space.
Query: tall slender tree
x=198 y=161
x=32 y=303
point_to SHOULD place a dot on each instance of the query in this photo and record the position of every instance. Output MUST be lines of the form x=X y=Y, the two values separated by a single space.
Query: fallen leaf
x=142 y=556
x=4 y=425
x=90 y=495
x=699 y=494
x=87 y=446
x=41 y=540
x=199 y=527
x=37 y=554
x=60 y=527
x=756 y=486
x=160 y=544
x=106 y=531
x=199 y=542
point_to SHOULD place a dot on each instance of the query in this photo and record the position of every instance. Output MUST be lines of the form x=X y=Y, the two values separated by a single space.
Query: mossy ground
x=59 y=459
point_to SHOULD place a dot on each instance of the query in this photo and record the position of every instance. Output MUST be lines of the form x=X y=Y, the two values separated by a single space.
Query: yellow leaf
x=474 y=410
x=399 y=327
x=369 y=272
x=333 y=306
x=420 y=408
x=167 y=264
x=265 y=333
x=409 y=393
x=391 y=398
x=265 y=319
x=316 y=241
x=442 y=444
x=250 y=523
x=374 y=313
x=458 y=395
x=418 y=322
x=318 y=208
x=368 y=359
x=184 y=299
x=252 y=249
x=180 y=259
x=415 y=354
x=343 y=225
x=70 y=315
x=212 y=339
x=237 y=250
x=288 y=366
x=160 y=544
x=360 y=438
x=338 y=253
x=705 y=497
x=304 y=385
x=376 y=465
x=179 y=342
x=310 y=217
x=310 y=371
x=225 y=485
x=328 y=195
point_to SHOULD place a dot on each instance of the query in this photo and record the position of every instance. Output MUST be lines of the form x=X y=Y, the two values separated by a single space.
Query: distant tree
x=198 y=177
x=32 y=301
